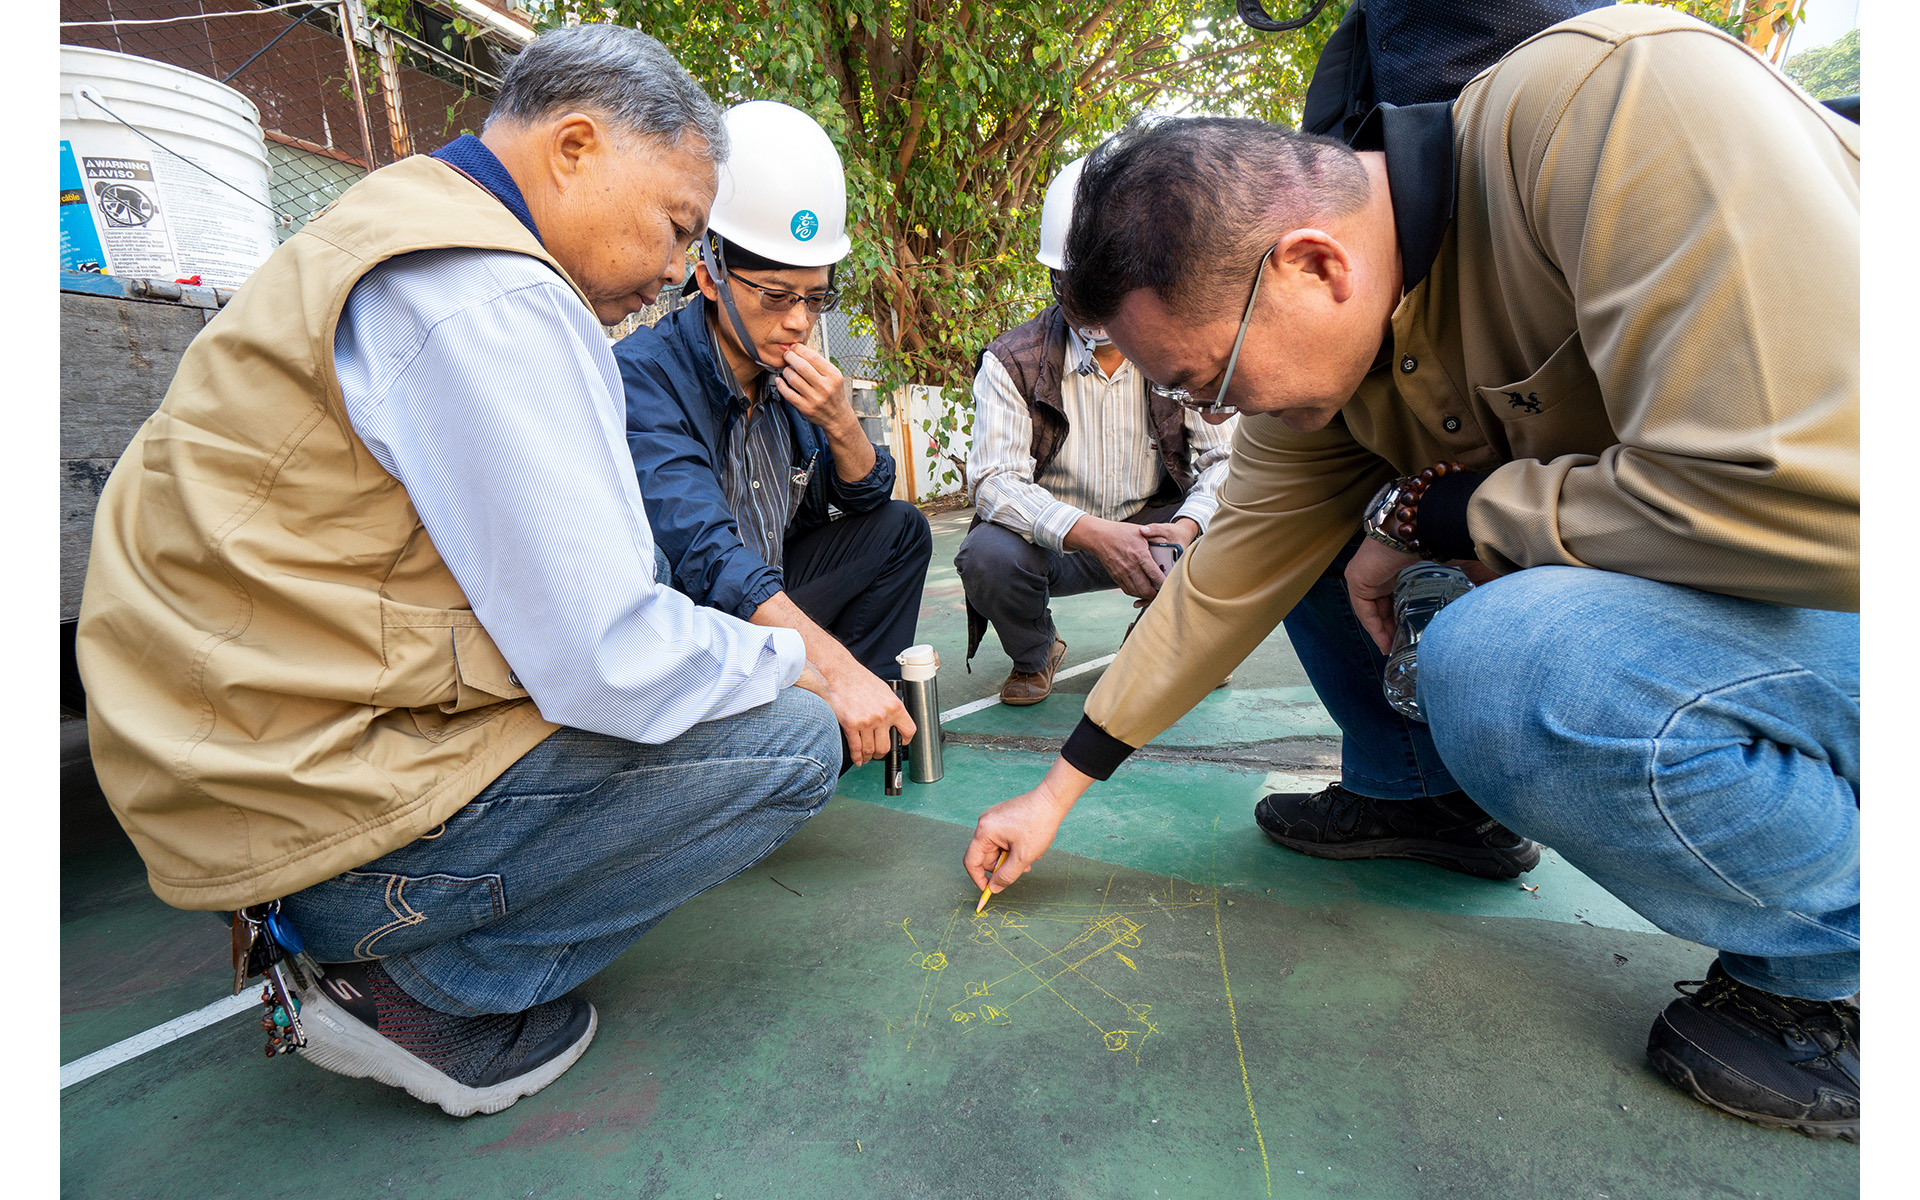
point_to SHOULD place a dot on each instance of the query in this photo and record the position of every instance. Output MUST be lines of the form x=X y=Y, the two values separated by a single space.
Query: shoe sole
x=337 y=1041
x=1680 y=1075
x=1486 y=864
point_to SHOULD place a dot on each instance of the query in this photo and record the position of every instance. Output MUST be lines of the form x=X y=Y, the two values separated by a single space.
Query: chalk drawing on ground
x=990 y=970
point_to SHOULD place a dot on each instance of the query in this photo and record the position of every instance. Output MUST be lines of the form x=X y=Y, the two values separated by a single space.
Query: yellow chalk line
x=1245 y=1083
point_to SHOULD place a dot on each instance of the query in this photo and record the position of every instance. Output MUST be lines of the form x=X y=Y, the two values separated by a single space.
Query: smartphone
x=1165 y=554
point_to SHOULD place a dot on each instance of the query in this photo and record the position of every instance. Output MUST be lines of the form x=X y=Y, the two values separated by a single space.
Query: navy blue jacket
x=680 y=415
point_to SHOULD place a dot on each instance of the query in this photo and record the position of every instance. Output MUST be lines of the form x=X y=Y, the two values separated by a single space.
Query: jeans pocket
x=363 y=914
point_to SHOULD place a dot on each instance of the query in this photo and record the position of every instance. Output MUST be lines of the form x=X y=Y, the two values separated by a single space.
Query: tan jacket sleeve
x=1705 y=215
x=1290 y=501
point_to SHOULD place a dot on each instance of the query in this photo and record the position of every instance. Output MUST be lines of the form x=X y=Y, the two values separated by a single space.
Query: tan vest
x=284 y=681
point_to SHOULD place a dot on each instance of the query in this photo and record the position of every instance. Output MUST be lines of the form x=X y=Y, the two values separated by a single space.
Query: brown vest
x=284 y=681
x=1035 y=355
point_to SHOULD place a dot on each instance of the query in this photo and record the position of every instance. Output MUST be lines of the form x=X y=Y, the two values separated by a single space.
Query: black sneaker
x=1775 y=1060
x=359 y=1023
x=1448 y=831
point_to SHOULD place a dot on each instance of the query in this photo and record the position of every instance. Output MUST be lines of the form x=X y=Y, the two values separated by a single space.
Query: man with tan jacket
x=371 y=631
x=1591 y=330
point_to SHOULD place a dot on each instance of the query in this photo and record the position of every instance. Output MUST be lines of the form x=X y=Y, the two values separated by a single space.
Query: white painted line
x=987 y=702
x=972 y=706
x=1083 y=668
x=100 y=1060
x=82 y=1069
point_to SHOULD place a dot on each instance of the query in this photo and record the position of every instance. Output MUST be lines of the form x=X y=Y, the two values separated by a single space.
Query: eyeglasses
x=781 y=300
x=1218 y=403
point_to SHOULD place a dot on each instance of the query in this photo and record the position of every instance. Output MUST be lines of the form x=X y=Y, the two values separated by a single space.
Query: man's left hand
x=815 y=387
x=1370 y=577
x=1180 y=530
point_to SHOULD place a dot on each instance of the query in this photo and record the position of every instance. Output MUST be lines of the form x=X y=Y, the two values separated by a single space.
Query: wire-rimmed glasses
x=1217 y=403
x=781 y=300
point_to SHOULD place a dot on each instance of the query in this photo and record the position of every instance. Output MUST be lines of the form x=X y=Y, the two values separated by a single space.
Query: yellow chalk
x=986 y=893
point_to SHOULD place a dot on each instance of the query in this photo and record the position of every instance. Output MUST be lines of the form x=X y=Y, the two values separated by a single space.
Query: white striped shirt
x=1107 y=466
x=482 y=384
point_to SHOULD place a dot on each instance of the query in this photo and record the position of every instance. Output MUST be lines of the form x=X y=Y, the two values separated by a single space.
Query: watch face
x=1378 y=510
x=1381 y=505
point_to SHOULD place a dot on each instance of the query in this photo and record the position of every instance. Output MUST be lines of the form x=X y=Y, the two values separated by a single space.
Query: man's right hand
x=866 y=708
x=1023 y=827
x=1122 y=549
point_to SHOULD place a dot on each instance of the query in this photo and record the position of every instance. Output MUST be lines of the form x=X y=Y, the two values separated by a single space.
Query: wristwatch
x=1393 y=515
x=1391 y=512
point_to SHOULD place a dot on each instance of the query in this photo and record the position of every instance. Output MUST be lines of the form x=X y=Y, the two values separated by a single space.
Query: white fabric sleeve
x=1000 y=465
x=1210 y=445
x=483 y=385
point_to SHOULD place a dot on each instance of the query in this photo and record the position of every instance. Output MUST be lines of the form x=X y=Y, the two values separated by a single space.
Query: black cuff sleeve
x=1442 y=522
x=1093 y=751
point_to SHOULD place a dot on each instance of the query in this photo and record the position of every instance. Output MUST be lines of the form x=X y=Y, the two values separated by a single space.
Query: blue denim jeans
x=1382 y=754
x=571 y=854
x=1696 y=755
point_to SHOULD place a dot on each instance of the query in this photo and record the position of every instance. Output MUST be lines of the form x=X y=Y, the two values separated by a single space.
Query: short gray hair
x=613 y=72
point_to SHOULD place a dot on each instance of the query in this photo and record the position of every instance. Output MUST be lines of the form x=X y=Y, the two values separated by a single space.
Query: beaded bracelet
x=1404 y=521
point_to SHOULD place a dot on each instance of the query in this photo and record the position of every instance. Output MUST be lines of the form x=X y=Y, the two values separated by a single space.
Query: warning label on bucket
x=79 y=241
x=133 y=226
x=210 y=237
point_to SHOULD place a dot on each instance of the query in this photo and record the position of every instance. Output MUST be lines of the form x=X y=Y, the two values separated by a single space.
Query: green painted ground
x=868 y=1038
x=1393 y=1030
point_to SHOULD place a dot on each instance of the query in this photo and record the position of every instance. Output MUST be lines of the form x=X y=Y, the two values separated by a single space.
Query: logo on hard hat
x=805 y=224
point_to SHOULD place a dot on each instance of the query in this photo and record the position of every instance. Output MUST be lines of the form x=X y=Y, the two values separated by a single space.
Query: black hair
x=740 y=258
x=1186 y=205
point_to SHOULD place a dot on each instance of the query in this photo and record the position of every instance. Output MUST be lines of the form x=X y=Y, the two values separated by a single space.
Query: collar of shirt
x=1080 y=352
x=1418 y=142
x=736 y=399
x=469 y=155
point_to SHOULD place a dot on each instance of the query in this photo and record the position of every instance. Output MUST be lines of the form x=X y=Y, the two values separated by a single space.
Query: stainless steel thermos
x=920 y=691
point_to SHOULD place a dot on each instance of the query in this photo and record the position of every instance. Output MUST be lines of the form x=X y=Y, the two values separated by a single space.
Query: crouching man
x=745 y=438
x=371 y=627
x=1078 y=465
x=1534 y=329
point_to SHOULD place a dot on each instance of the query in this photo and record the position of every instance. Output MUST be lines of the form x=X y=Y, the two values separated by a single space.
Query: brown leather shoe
x=1031 y=687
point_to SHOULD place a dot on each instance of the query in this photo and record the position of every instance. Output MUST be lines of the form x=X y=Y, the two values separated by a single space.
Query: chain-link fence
x=339 y=93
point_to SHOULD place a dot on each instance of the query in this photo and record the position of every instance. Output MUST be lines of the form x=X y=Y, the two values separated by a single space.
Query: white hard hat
x=781 y=192
x=1056 y=214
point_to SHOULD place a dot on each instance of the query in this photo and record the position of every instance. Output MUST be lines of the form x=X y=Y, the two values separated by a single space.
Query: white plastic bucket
x=196 y=203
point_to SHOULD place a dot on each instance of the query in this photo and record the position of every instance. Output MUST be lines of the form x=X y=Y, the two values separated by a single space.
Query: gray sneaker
x=1774 y=1060
x=360 y=1024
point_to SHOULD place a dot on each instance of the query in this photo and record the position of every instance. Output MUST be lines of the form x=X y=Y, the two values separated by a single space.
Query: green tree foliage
x=951 y=116
x=1737 y=17
x=1829 y=71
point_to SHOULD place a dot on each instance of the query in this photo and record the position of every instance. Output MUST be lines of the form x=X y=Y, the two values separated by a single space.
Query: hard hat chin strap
x=715 y=260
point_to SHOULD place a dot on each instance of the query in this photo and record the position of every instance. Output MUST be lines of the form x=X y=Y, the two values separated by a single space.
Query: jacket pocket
x=1555 y=411
x=481 y=671
x=442 y=668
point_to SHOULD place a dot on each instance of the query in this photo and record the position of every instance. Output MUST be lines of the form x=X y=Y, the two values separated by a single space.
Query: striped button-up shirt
x=482 y=384
x=757 y=475
x=1107 y=467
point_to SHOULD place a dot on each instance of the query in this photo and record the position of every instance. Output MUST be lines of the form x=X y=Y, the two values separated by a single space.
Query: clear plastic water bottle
x=1419 y=593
